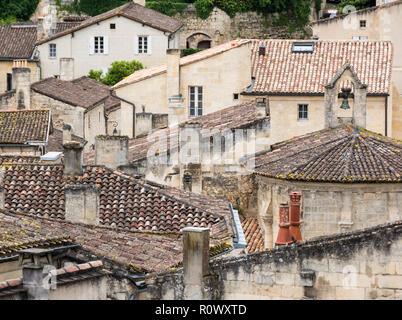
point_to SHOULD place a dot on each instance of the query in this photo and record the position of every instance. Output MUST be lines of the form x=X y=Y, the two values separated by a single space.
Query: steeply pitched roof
x=125 y=203
x=253 y=234
x=280 y=71
x=234 y=117
x=342 y=154
x=131 y=11
x=19 y=127
x=84 y=92
x=202 y=55
x=17 y=41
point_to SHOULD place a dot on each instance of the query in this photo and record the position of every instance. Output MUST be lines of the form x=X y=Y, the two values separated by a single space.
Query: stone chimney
x=82 y=203
x=111 y=151
x=283 y=233
x=66 y=69
x=22 y=83
x=66 y=133
x=175 y=99
x=73 y=158
x=143 y=122
x=195 y=261
x=261 y=107
x=294 y=217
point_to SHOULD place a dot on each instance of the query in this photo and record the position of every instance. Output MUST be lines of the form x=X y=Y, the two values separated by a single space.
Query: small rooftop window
x=307 y=47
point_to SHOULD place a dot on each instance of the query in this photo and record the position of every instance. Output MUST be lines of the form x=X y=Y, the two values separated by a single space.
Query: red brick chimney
x=283 y=233
x=294 y=217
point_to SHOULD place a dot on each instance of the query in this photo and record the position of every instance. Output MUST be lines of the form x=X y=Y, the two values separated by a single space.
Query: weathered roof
x=342 y=154
x=280 y=71
x=234 y=117
x=63 y=26
x=131 y=11
x=202 y=55
x=125 y=203
x=253 y=234
x=19 y=127
x=17 y=41
x=84 y=92
x=55 y=141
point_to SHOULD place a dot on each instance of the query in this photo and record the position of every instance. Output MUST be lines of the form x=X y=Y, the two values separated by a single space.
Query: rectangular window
x=112 y=26
x=52 y=50
x=195 y=98
x=363 y=24
x=143 y=44
x=9 y=81
x=99 y=45
x=360 y=38
x=302 y=112
x=235 y=96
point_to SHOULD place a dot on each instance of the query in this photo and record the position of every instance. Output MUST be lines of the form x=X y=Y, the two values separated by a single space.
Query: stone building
x=382 y=22
x=129 y=32
x=188 y=87
x=87 y=107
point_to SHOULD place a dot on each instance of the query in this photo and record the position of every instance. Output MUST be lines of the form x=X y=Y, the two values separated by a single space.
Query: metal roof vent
x=303 y=47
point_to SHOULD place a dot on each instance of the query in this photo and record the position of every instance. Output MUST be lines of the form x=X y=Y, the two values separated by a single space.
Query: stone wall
x=220 y=28
x=361 y=265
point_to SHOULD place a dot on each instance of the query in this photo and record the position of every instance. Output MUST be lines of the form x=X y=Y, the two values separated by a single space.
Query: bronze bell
x=345 y=95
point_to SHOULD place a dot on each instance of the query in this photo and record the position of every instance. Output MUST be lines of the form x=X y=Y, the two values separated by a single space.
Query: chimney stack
x=82 y=203
x=262 y=50
x=175 y=99
x=143 y=122
x=66 y=133
x=66 y=69
x=22 y=83
x=294 y=217
x=73 y=158
x=140 y=2
x=283 y=233
x=261 y=107
x=195 y=261
x=111 y=151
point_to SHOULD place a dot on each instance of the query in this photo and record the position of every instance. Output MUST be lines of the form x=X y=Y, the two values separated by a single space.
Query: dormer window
x=303 y=47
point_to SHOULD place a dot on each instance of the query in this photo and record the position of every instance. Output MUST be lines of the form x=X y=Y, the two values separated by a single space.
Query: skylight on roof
x=302 y=47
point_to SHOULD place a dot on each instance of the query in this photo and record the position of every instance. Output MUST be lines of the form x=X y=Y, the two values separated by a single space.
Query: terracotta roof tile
x=17 y=40
x=335 y=155
x=24 y=125
x=253 y=234
x=281 y=71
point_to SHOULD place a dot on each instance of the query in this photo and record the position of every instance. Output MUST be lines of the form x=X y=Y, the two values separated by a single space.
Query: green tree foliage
x=204 y=8
x=17 y=10
x=117 y=72
x=358 y=4
x=91 y=7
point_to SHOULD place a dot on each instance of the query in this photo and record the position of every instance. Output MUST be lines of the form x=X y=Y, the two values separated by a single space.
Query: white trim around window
x=52 y=50
x=195 y=101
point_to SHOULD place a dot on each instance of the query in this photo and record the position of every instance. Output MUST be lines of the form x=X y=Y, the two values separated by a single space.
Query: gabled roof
x=344 y=154
x=280 y=71
x=19 y=127
x=17 y=41
x=130 y=11
x=84 y=92
x=199 y=56
x=125 y=203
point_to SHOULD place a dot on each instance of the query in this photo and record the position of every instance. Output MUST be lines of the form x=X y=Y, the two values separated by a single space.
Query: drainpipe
x=386 y=115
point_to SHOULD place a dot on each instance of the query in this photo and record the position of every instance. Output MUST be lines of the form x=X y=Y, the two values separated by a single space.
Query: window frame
x=364 y=22
x=99 y=48
x=302 y=115
x=198 y=103
x=52 y=49
x=143 y=42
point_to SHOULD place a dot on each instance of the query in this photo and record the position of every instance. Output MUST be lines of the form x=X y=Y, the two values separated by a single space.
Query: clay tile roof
x=131 y=11
x=342 y=154
x=202 y=55
x=125 y=203
x=83 y=92
x=23 y=126
x=235 y=117
x=63 y=26
x=280 y=71
x=253 y=234
x=17 y=41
